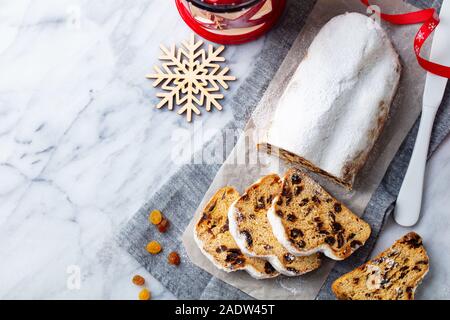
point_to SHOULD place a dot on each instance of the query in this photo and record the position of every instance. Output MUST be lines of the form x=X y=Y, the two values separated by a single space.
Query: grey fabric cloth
x=180 y=196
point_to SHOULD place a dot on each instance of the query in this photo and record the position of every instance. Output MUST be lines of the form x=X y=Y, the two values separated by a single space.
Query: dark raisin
x=236 y=251
x=325 y=232
x=422 y=262
x=404 y=268
x=298 y=190
x=355 y=244
x=286 y=191
x=328 y=200
x=288 y=201
x=269 y=199
x=295 y=179
x=337 y=207
x=248 y=238
x=304 y=202
x=409 y=292
x=336 y=226
x=351 y=236
x=355 y=280
x=211 y=208
x=221 y=249
x=279 y=213
x=268 y=268
x=295 y=233
x=289 y=258
x=291 y=218
x=416 y=268
x=307 y=212
x=340 y=239
x=260 y=204
x=205 y=217
x=293 y=270
x=330 y=240
x=393 y=254
x=376 y=261
x=225 y=227
x=239 y=261
x=231 y=257
x=315 y=199
x=258 y=207
x=332 y=216
x=280 y=201
x=268 y=247
x=301 y=244
x=384 y=282
x=413 y=240
x=245 y=197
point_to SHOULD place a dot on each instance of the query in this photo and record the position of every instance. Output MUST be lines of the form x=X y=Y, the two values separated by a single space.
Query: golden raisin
x=154 y=247
x=144 y=294
x=163 y=225
x=174 y=258
x=138 y=280
x=156 y=217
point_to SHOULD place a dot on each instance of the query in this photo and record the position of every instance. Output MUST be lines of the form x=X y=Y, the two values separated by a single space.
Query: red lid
x=225 y=2
x=224 y=5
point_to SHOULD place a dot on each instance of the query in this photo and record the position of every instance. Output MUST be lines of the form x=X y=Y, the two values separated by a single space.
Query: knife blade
x=409 y=201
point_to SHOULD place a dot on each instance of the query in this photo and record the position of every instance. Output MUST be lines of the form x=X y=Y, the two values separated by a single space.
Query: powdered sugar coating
x=338 y=99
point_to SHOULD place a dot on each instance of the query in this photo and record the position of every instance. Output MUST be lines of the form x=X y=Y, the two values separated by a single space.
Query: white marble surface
x=81 y=146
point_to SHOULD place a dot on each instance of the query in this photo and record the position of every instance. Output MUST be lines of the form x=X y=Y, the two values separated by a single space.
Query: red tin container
x=230 y=21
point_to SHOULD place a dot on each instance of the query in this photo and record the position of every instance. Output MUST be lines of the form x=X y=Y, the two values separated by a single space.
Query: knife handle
x=409 y=201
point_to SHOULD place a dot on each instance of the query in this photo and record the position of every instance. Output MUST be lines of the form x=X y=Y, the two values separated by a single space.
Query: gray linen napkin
x=180 y=196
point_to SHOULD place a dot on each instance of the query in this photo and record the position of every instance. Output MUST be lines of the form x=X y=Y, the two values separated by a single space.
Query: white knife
x=409 y=202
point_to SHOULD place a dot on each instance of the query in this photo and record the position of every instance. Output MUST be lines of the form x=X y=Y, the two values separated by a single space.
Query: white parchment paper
x=240 y=174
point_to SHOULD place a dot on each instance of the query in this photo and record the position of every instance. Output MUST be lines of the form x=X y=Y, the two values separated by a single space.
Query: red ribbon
x=430 y=20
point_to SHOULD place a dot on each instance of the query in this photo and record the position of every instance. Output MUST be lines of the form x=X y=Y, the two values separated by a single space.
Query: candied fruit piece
x=163 y=225
x=156 y=217
x=154 y=247
x=174 y=258
x=144 y=294
x=138 y=280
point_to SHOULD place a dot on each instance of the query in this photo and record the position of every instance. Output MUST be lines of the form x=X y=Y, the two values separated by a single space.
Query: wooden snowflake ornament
x=191 y=78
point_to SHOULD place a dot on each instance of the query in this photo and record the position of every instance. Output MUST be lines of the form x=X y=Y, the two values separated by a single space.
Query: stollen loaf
x=338 y=100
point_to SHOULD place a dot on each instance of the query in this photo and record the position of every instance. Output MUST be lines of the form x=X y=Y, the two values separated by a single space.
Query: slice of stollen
x=394 y=274
x=306 y=219
x=251 y=229
x=216 y=243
